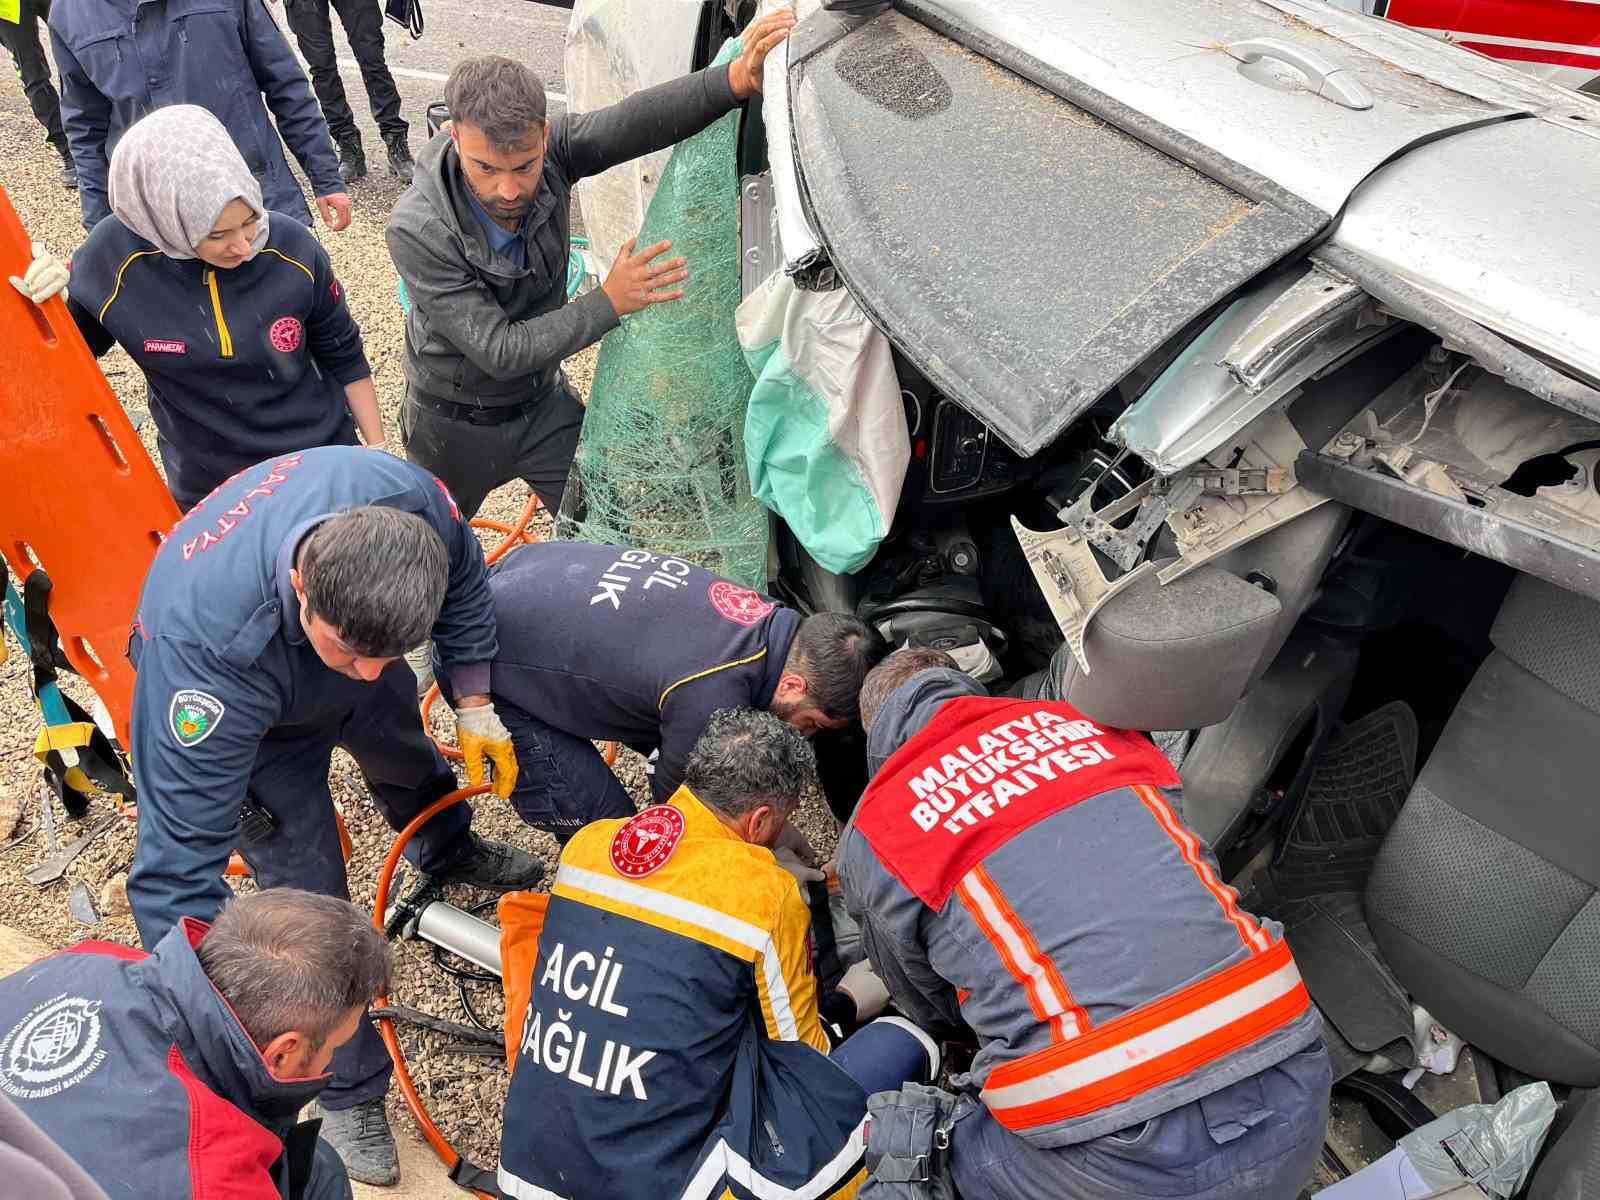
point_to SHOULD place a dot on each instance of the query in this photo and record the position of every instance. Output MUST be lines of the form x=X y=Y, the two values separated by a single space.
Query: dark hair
x=378 y=576
x=287 y=960
x=497 y=95
x=833 y=653
x=898 y=668
x=745 y=759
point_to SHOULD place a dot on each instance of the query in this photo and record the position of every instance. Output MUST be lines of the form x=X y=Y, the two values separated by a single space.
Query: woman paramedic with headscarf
x=232 y=313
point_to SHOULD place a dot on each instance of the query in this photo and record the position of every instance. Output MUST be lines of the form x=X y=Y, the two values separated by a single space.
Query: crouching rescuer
x=269 y=632
x=608 y=642
x=1023 y=872
x=183 y=1072
x=672 y=1044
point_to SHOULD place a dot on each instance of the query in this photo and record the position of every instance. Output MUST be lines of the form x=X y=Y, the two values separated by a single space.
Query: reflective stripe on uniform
x=1189 y=846
x=1048 y=994
x=724 y=1162
x=839 y=1179
x=293 y=262
x=116 y=288
x=514 y=1185
x=1151 y=1045
x=699 y=917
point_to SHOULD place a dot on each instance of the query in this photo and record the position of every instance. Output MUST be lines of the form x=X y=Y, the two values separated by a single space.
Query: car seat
x=1485 y=898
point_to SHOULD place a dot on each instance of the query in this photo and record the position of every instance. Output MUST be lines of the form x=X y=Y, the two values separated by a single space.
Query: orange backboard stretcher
x=79 y=496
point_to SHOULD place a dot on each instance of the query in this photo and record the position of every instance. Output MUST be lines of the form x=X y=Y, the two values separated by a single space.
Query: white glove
x=793 y=839
x=861 y=984
x=802 y=871
x=47 y=276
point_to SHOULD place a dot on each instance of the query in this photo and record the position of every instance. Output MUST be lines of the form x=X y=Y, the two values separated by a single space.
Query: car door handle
x=1324 y=77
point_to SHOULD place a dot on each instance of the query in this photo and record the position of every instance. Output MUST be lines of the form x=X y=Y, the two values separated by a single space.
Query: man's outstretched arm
x=662 y=116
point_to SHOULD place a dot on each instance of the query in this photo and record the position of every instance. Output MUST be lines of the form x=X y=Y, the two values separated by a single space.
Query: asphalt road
x=454 y=29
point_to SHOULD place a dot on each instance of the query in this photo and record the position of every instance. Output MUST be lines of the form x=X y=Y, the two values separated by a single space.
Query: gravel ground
x=464 y=1094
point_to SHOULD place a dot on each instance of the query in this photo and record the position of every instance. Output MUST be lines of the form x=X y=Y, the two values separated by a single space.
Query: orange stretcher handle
x=79 y=496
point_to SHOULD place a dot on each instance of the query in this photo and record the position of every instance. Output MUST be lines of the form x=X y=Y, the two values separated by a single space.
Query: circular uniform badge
x=645 y=842
x=286 y=333
x=739 y=604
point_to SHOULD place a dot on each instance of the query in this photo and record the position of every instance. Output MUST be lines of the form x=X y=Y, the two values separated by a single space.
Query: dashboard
x=962 y=457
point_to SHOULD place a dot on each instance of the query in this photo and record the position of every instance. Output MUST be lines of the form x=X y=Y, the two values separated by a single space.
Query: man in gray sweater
x=481 y=240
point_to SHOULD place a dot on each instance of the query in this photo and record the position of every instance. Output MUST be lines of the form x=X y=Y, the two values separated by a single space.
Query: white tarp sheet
x=616 y=48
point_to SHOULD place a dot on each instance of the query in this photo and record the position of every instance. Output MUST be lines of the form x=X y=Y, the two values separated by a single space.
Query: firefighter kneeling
x=1022 y=871
x=672 y=1044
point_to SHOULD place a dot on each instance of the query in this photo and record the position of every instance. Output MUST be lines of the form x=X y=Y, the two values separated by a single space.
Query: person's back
x=120 y=59
x=607 y=642
x=672 y=1041
x=610 y=643
x=216 y=576
x=1024 y=871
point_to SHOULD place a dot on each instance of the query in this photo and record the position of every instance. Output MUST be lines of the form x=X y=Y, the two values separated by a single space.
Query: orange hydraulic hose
x=447 y=1153
x=515 y=535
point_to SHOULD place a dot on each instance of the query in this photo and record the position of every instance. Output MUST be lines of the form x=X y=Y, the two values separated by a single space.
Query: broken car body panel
x=1469 y=222
x=1251 y=358
x=911 y=148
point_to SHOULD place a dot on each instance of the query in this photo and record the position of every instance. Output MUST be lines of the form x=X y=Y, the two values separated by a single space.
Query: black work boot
x=69 y=169
x=364 y=1141
x=352 y=158
x=493 y=866
x=400 y=161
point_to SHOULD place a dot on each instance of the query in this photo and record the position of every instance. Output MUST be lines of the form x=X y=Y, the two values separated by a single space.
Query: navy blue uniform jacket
x=222 y=657
x=135 y=1065
x=121 y=59
x=243 y=364
x=609 y=643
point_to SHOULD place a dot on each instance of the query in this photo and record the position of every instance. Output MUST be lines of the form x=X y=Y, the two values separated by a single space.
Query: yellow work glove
x=481 y=734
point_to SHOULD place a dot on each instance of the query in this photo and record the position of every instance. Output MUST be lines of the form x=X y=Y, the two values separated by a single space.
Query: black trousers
x=363 y=28
x=377 y=724
x=472 y=460
x=27 y=53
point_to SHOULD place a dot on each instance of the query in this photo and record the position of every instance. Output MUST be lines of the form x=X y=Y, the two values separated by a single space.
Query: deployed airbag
x=825 y=434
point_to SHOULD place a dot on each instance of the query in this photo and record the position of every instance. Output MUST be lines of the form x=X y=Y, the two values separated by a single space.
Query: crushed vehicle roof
x=1073 y=182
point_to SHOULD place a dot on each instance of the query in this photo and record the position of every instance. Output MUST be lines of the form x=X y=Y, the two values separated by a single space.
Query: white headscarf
x=173 y=172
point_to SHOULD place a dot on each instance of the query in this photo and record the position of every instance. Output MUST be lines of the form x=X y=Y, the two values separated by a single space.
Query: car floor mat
x=1356 y=789
x=1361 y=1001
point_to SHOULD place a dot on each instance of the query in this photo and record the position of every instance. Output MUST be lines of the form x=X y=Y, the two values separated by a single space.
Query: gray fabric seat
x=1485 y=898
x=1173 y=657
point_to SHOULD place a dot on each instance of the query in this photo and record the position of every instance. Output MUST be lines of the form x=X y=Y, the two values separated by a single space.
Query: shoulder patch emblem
x=645 y=842
x=738 y=604
x=285 y=334
x=54 y=1047
x=193 y=716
